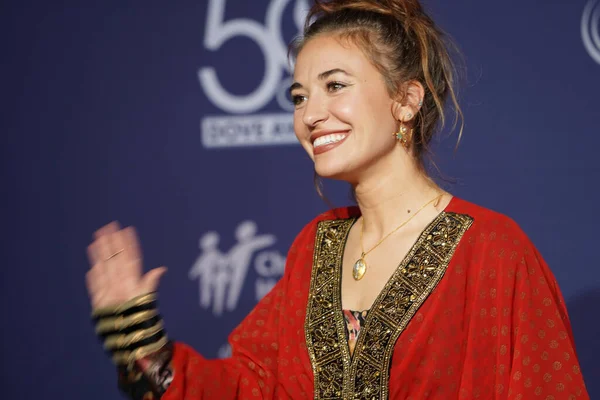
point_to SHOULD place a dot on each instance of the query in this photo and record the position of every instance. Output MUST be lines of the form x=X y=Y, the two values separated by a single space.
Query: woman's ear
x=409 y=101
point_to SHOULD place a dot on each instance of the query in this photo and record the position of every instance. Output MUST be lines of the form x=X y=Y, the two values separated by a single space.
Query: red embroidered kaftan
x=494 y=327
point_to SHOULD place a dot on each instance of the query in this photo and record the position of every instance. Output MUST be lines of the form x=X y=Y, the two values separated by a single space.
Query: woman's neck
x=388 y=199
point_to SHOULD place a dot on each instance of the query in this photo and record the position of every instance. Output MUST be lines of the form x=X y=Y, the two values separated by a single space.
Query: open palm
x=116 y=273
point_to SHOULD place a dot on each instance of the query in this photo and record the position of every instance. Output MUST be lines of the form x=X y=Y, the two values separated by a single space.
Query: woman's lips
x=328 y=141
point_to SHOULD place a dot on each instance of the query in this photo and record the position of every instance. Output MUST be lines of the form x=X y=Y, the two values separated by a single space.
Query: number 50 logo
x=245 y=129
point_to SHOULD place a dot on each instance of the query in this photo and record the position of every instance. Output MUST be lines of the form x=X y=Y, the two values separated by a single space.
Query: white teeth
x=328 y=139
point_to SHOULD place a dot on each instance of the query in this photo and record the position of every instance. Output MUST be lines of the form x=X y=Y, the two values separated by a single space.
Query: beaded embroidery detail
x=365 y=375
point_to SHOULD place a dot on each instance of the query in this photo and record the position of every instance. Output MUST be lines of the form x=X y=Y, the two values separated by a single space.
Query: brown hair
x=405 y=45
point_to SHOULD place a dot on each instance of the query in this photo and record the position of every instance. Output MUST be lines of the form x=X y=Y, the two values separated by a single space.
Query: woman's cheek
x=345 y=109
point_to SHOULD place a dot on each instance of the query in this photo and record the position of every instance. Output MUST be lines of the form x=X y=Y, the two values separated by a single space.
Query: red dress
x=472 y=312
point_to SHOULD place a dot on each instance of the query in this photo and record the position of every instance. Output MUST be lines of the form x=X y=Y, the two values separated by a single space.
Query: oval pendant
x=360 y=267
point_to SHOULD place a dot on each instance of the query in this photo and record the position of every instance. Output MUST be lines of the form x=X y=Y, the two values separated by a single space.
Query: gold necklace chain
x=360 y=267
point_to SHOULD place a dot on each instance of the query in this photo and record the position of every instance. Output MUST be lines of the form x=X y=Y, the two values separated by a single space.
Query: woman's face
x=344 y=116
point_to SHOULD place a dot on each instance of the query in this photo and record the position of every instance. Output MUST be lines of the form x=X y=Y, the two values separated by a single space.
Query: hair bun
x=401 y=9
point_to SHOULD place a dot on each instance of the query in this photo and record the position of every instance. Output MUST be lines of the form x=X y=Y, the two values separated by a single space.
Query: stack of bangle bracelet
x=131 y=330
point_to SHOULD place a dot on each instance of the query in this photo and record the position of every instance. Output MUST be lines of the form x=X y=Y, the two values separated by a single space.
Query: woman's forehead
x=325 y=53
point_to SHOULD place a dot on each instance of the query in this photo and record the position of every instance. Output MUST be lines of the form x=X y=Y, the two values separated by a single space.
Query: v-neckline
x=376 y=303
x=336 y=374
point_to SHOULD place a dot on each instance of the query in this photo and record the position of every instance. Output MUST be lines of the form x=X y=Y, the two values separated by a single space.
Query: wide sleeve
x=178 y=372
x=543 y=359
x=519 y=345
x=250 y=372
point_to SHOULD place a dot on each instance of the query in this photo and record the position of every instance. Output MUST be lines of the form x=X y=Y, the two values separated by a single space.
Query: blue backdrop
x=171 y=116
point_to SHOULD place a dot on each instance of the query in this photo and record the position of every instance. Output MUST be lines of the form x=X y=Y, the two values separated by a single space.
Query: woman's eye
x=335 y=86
x=297 y=99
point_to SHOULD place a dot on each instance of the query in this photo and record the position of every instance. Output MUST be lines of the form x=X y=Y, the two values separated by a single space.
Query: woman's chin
x=331 y=170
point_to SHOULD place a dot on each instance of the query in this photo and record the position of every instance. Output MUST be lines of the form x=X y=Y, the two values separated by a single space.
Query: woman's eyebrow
x=322 y=76
x=326 y=74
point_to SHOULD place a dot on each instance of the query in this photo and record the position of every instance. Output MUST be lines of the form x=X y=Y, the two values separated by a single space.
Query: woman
x=414 y=294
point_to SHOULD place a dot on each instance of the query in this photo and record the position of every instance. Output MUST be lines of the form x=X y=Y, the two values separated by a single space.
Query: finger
x=93 y=253
x=117 y=266
x=132 y=245
x=131 y=241
x=93 y=280
x=104 y=248
x=117 y=243
x=103 y=240
x=107 y=229
x=124 y=264
x=151 y=279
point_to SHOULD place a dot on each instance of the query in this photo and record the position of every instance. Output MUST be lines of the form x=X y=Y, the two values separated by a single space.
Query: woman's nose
x=315 y=112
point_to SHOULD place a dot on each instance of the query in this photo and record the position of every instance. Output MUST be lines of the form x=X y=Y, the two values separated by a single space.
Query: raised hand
x=116 y=274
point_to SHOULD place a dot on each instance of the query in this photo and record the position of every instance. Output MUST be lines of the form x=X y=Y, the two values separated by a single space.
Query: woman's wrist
x=131 y=330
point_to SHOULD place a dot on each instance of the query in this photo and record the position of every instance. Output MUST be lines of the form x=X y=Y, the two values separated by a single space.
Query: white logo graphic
x=245 y=129
x=590 y=29
x=222 y=275
x=224 y=351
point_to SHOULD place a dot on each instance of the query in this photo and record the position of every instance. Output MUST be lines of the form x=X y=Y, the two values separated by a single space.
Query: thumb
x=151 y=278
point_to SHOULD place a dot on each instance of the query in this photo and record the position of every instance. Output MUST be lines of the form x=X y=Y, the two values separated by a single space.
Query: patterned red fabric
x=496 y=327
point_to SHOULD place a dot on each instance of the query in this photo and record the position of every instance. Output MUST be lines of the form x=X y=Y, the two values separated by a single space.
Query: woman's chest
x=367 y=371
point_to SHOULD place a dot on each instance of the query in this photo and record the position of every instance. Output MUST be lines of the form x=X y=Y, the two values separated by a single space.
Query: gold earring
x=402 y=135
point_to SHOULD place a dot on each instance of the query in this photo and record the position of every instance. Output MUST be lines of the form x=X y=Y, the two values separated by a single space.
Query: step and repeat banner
x=175 y=118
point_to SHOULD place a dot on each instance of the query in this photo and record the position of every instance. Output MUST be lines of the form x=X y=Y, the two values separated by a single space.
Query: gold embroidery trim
x=119 y=323
x=329 y=357
x=135 y=302
x=121 y=341
x=366 y=374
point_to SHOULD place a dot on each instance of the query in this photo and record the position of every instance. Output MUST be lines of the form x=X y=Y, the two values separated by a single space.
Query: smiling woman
x=414 y=294
x=388 y=56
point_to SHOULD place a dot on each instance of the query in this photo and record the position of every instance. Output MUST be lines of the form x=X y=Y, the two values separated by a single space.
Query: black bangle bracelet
x=146 y=324
x=131 y=330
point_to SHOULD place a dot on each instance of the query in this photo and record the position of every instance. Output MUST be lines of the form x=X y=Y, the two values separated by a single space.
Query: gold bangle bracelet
x=117 y=309
x=128 y=357
x=121 y=341
x=119 y=323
